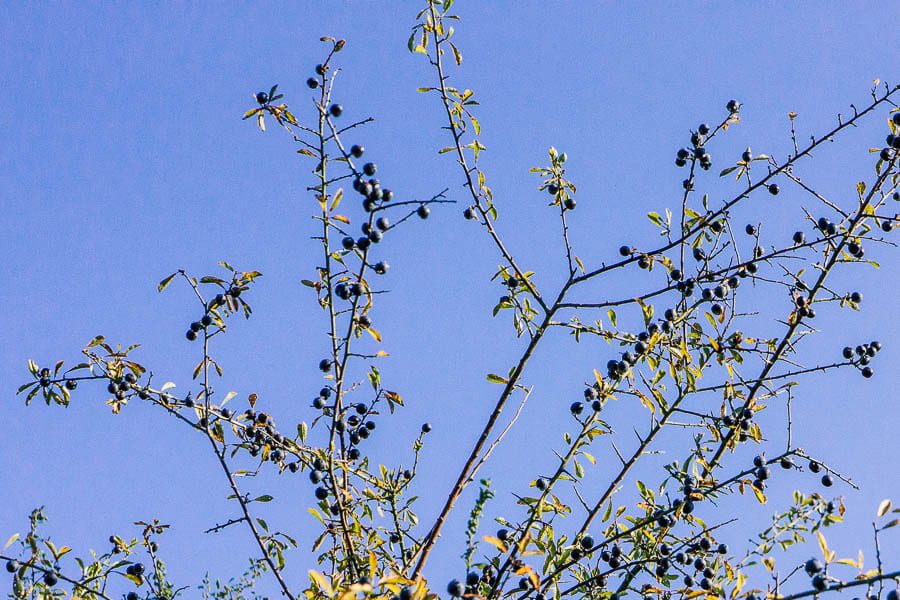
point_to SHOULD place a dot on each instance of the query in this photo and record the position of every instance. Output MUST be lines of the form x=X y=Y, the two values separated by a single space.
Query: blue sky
x=124 y=158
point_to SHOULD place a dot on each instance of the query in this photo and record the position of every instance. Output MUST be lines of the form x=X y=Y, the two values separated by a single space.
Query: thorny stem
x=465 y=475
x=463 y=162
x=89 y=592
x=843 y=585
x=337 y=365
x=814 y=143
x=785 y=342
x=220 y=455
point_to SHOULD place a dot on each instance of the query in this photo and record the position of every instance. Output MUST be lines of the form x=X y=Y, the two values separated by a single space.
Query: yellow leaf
x=496 y=542
x=868 y=574
x=822 y=544
x=337 y=200
x=535 y=580
x=759 y=495
x=393 y=580
x=741 y=580
x=884 y=507
x=340 y=218
x=321 y=582
x=523 y=543
x=646 y=401
x=316 y=514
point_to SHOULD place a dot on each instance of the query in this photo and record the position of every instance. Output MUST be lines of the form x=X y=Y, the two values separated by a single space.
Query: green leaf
x=165 y=282
x=302 y=429
x=31 y=395
x=457 y=55
x=494 y=378
x=263 y=498
x=608 y=512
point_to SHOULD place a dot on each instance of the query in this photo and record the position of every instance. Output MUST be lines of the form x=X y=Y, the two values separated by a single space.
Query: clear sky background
x=124 y=158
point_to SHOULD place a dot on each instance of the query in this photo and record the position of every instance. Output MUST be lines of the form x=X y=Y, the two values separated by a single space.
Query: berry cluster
x=863 y=354
x=698 y=138
x=259 y=433
x=889 y=152
x=225 y=299
x=740 y=421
